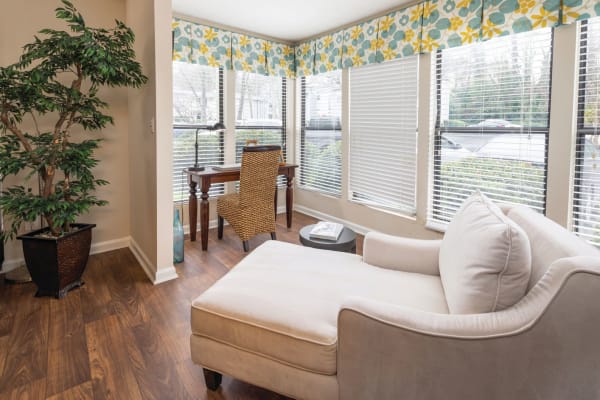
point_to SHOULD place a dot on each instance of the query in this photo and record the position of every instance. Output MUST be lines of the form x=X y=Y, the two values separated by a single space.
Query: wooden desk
x=209 y=176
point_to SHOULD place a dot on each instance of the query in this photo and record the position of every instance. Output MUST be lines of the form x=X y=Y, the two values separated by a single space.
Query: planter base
x=62 y=292
x=57 y=264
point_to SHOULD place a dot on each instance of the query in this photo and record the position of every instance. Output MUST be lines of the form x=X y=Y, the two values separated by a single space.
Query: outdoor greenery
x=59 y=76
x=318 y=158
x=497 y=178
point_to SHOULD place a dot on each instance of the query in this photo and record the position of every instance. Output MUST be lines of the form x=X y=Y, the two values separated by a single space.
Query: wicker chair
x=252 y=210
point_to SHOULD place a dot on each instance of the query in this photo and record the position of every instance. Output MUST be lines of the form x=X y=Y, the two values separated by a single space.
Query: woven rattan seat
x=252 y=210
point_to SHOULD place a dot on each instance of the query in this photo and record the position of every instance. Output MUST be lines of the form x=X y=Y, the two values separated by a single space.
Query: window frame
x=283 y=127
x=302 y=141
x=215 y=189
x=434 y=219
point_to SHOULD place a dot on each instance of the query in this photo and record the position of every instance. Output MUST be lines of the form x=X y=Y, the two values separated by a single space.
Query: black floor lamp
x=216 y=127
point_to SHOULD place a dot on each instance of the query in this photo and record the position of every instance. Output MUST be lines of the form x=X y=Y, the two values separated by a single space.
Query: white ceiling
x=290 y=20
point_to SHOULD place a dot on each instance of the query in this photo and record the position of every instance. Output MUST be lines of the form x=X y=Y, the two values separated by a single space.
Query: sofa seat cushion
x=282 y=302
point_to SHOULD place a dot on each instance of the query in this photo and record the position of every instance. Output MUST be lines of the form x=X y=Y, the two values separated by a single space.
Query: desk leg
x=289 y=200
x=193 y=209
x=204 y=218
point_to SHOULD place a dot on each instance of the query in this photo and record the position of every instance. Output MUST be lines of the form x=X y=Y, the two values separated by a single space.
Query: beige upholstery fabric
x=403 y=254
x=545 y=347
x=485 y=259
x=313 y=324
x=549 y=241
x=282 y=302
x=263 y=372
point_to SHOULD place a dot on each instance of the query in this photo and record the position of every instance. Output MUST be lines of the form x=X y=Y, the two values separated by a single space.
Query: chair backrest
x=549 y=241
x=258 y=175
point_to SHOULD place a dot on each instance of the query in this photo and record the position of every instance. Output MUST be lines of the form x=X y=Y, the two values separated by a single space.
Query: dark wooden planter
x=56 y=264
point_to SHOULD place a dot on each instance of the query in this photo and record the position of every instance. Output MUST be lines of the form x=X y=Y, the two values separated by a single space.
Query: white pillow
x=485 y=259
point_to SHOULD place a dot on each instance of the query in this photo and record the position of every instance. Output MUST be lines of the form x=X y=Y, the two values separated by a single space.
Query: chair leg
x=246 y=246
x=220 y=228
x=273 y=236
x=212 y=379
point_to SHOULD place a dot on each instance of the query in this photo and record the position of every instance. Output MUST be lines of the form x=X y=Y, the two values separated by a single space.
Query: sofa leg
x=273 y=236
x=246 y=245
x=212 y=379
x=220 y=228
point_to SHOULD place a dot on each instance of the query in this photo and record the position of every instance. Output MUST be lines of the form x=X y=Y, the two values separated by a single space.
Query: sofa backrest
x=549 y=241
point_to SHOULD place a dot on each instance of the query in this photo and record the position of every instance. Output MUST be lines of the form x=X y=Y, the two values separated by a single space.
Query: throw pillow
x=485 y=259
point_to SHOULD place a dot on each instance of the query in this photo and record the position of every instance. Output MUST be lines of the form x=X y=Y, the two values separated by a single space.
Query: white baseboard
x=213 y=222
x=110 y=245
x=156 y=277
x=96 y=248
x=363 y=230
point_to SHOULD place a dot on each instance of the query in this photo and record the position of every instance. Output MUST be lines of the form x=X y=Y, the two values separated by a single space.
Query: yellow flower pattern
x=423 y=27
x=448 y=23
x=361 y=44
x=389 y=54
x=528 y=15
x=328 y=52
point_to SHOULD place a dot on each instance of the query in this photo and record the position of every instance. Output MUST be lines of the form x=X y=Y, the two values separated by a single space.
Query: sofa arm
x=544 y=347
x=400 y=253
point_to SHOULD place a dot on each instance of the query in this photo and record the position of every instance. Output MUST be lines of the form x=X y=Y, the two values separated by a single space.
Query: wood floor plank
x=35 y=390
x=27 y=356
x=68 y=361
x=120 y=336
x=110 y=364
x=95 y=294
x=80 y=392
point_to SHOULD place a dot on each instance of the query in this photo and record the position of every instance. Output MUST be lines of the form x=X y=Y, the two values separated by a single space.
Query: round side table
x=345 y=243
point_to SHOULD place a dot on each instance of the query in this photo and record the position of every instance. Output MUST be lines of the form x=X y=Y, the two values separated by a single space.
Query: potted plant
x=57 y=78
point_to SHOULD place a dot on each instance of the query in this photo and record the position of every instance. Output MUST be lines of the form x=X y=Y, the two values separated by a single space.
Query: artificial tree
x=57 y=79
x=59 y=73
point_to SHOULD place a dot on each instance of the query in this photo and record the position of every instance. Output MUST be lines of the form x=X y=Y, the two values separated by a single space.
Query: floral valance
x=205 y=45
x=421 y=28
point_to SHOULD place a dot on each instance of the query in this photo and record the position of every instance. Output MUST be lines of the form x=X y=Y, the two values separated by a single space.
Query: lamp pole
x=219 y=126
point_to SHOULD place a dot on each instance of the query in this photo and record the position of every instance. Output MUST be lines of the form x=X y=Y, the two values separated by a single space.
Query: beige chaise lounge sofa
x=313 y=324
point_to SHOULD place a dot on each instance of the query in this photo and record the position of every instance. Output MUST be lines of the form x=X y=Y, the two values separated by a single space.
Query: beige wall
x=151 y=140
x=19 y=21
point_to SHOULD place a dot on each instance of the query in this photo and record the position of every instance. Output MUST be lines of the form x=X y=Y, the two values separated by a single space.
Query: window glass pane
x=197 y=95
x=586 y=210
x=321 y=133
x=492 y=122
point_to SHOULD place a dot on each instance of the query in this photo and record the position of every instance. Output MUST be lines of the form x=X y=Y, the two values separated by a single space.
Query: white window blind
x=321 y=133
x=197 y=104
x=260 y=109
x=492 y=101
x=586 y=210
x=383 y=134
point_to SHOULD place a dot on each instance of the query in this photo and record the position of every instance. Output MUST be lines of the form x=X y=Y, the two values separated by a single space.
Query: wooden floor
x=119 y=337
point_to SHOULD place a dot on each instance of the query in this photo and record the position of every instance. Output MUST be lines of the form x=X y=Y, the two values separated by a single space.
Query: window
x=321 y=133
x=383 y=134
x=260 y=107
x=586 y=210
x=197 y=104
x=491 y=128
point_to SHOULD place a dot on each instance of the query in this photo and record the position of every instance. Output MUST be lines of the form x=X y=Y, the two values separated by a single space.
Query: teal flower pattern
x=200 y=44
x=249 y=54
x=305 y=58
x=506 y=17
x=280 y=59
x=361 y=44
x=449 y=24
x=328 y=52
x=400 y=33
x=578 y=10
